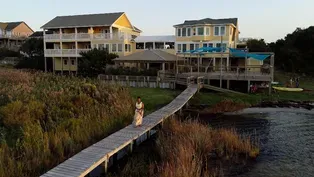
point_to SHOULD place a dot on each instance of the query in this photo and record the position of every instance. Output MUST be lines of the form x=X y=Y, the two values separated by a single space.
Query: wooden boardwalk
x=101 y=152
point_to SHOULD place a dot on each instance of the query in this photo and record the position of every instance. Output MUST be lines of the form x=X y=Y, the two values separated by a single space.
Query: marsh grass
x=190 y=149
x=45 y=119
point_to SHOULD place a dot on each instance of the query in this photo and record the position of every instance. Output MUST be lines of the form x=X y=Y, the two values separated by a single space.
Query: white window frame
x=200 y=34
x=178 y=32
x=122 y=46
x=116 y=48
x=207 y=27
x=179 y=47
x=186 y=32
x=109 y=47
x=219 y=31
x=189 y=34
x=192 y=45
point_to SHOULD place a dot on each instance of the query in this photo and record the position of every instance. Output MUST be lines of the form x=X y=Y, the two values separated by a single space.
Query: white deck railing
x=87 y=36
x=64 y=52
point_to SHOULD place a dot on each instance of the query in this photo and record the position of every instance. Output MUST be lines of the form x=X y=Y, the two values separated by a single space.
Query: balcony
x=64 y=52
x=86 y=36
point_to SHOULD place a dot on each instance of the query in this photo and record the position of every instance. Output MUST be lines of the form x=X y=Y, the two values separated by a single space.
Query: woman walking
x=139 y=112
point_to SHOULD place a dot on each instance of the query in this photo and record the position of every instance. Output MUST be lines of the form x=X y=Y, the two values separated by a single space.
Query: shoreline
x=285 y=105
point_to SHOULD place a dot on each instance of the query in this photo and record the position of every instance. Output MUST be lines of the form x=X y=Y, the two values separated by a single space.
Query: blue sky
x=268 y=19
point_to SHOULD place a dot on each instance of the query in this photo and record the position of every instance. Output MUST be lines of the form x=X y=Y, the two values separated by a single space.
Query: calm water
x=286 y=139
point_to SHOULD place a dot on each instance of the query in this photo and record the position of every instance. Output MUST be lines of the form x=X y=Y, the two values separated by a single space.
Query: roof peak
x=109 y=13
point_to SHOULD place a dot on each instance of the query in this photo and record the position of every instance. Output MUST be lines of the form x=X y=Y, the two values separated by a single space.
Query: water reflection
x=286 y=140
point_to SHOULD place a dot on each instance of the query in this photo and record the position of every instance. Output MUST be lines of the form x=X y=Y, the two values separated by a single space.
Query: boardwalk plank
x=88 y=159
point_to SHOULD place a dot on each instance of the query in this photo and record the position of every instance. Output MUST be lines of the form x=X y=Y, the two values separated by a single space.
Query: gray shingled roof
x=105 y=19
x=209 y=21
x=149 y=56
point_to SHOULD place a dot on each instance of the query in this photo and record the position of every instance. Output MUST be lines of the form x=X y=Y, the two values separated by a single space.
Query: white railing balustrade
x=69 y=52
x=53 y=51
x=68 y=36
x=83 y=36
x=102 y=36
x=88 y=36
x=52 y=36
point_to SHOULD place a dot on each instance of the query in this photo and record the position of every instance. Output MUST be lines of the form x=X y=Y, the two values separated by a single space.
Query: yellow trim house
x=70 y=35
x=208 y=32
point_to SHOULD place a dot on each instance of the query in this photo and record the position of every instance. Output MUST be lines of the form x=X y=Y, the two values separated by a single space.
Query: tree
x=295 y=52
x=257 y=45
x=33 y=52
x=94 y=62
x=33 y=47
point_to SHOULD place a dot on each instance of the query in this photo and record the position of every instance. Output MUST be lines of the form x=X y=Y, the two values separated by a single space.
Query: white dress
x=138 y=116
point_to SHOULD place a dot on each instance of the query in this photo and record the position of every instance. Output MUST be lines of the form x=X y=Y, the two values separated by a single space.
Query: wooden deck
x=101 y=152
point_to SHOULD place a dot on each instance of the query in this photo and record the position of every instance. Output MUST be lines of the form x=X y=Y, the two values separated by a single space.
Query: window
x=114 y=47
x=179 y=32
x=179 y=47
x=207 y=31
x=73 y=62
x=218 y=45
x=101 y=46
x=191 y=46
x=197 y=46
x=224 y=45
x=127 y=47
x=183 y=47
x=119 y=47
x=220 y=30
x=217 y=30
x=130 y=48
x=210 y=44
x=200 y=31
x=189 y=32
x=65 y=62
x=183 y=31
x=107 y=47
x=204 y=45
x=94 y=46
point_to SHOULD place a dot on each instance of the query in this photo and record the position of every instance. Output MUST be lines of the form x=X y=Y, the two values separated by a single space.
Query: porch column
x=272 y=62
x=60 y=33
x=53 y=65
x=75 y=33
x=214 y=64
x=144 y=45
x=164 y=45
x=227 y=63
x=163 y=66
x=76 y=65
x=61 y=66
x=147 y=65
x=154 y=46
x=44 y=33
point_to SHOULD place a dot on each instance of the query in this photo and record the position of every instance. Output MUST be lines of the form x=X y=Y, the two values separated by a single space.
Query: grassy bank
x=45 y=119
x=154 y=98
x=185 y=149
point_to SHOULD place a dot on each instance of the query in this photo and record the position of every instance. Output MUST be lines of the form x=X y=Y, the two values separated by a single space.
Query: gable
x=23 y=28
x=123 y=21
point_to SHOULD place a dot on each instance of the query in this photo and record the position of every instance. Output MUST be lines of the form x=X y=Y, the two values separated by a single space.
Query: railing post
x=127 y=81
